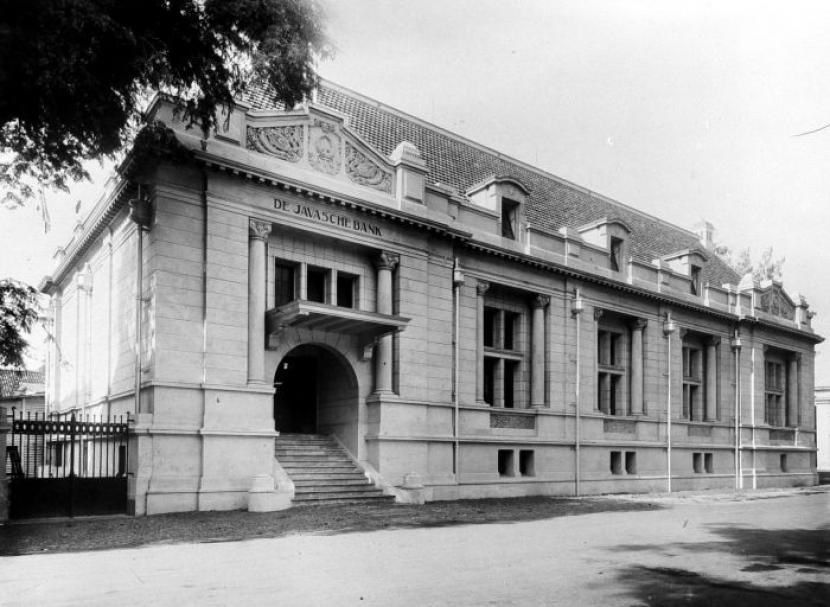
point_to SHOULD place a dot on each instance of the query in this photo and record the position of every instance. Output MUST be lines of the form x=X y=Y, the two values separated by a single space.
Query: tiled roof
x=11 y=379
x=454 y=161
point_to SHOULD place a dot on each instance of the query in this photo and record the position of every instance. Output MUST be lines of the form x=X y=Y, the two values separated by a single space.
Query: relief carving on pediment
x=324 y=149
x=364 y=171
x=776 y=303
x=284 y=142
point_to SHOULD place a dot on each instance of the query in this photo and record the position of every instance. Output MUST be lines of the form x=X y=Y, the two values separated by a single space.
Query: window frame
x=614 y=370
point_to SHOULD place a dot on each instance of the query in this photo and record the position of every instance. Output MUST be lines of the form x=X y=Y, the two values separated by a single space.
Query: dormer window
x=616 y=253
x=694 y=273
x=509 y=218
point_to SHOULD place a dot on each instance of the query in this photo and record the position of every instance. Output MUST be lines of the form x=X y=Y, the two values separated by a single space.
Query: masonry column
x=258 y=232
x=537 y=370
x=481 y=289
x=792 y=392
x=711 y=411
x=385 y=264
x=637 y=328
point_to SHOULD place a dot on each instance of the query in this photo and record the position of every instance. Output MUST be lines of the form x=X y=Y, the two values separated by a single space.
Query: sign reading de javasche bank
x=336 y=219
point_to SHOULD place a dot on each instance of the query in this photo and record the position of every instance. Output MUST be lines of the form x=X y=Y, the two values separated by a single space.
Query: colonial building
x=456 y=323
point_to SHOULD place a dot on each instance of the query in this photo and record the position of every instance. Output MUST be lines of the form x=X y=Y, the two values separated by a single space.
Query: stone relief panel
x=364 y=171
x=776 y=303
x=324 y=147
x=284 y=142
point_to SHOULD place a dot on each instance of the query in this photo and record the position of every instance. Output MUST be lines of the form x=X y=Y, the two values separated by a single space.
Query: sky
x=684 y=110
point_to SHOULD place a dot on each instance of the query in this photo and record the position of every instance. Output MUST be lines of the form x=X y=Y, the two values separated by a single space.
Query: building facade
x=463 y=324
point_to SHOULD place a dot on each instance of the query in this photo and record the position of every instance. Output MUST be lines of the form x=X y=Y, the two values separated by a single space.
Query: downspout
x=736 y=348
x=752 y=408
x=141 y=214
x=457 y=281
x=204 y=335
x=576 y=311
x=668 y=328
x=109 y=323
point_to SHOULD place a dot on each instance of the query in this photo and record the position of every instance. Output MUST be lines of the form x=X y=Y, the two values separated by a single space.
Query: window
x=703 y=462
x=346 y=290
x=616 y=253
x=774 y=393
x=616 y=462
x=316 y=284
x=630 y=462
x=490 y=365
x=509 y=218
x=709 y=463
x=504 y=342
x=526 y=463
x=506 y=467
x=511 y=370
x=284 y=283
x=611 y=374
x=623 y=462
x=783 y=463
x=692 y=383
x=694 y=272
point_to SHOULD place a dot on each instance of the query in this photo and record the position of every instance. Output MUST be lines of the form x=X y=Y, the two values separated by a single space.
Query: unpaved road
x=705 y=551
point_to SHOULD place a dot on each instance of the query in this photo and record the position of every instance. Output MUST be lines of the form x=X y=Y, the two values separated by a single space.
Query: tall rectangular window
x=694 y=273
x=616 y=253
x=692 y=383
x=509 y=218
x=316 y=284
x=774 y=393
x=284 y=283
x=611 y=372
x=346 y=290
x=504 y=341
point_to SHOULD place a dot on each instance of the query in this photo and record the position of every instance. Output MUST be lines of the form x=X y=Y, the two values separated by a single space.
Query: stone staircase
x=323 y=473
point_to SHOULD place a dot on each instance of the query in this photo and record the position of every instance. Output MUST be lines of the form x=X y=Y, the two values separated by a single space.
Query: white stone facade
x=449 y=336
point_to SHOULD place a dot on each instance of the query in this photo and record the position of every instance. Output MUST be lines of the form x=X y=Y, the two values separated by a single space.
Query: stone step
x=338 y=495
x=323 y=473
x=372 y=501
x=327 y=475
x=338 y=485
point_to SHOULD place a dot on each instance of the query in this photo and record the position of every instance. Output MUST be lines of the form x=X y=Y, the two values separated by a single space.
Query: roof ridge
x=506 y=157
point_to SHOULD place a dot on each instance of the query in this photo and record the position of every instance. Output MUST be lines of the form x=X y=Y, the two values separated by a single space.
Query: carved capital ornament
x=258 y=230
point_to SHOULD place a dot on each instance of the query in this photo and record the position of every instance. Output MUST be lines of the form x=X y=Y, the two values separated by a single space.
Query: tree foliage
x=74 y=73
x=765 y=267
x=18 y=311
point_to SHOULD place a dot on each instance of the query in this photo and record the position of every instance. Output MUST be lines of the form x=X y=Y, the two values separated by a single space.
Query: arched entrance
x=316 y=392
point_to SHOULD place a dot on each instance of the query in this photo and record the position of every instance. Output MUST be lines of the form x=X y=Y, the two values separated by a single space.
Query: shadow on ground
x=793 y=551
x=122 y=532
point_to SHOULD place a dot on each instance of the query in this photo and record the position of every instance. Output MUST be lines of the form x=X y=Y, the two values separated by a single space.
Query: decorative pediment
x=772 y=299
x=322 y=143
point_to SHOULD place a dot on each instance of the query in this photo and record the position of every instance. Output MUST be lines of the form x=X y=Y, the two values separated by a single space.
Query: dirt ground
x=79 y=534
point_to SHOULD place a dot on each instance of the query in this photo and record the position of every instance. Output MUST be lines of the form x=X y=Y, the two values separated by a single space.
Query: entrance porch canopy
x=324 y=317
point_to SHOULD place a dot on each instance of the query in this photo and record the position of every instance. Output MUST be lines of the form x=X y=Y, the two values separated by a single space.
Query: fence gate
x=66 y=465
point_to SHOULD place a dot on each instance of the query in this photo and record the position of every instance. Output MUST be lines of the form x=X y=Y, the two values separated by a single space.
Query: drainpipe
x=204 y=335
x=736 y=348
x=669 y=327
x=141 y=213
x=457 y=282
x=577 y=307
x=752 y=418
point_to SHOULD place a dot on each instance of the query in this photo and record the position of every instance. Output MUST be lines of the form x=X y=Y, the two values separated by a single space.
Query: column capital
x=598 y=312
x=258 y=230
x=638 y=324
x=482 y=286
x=387 y=260
x=541 y=301
x=713 y=341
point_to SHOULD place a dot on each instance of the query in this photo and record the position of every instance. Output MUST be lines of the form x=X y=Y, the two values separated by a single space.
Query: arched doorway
x=316 y=392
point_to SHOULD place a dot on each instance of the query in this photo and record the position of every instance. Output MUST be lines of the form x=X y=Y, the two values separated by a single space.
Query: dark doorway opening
x=295 y=399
